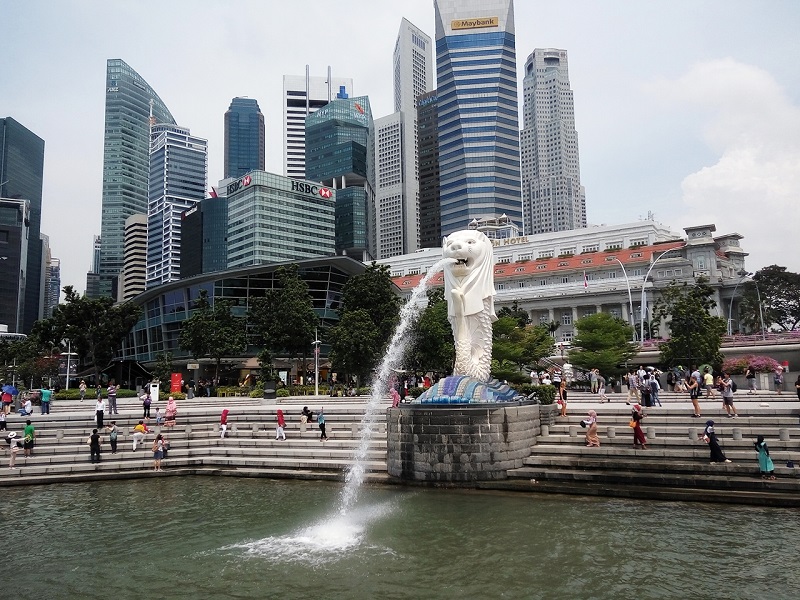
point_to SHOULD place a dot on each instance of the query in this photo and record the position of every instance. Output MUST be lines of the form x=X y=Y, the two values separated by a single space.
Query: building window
x=614 y=312
x=586 y=261
x=636 y=255
x=566 y=336
x=541 y=266
x=563 y=264
x=612 y=275
x=520 y=284
x=524 y=257
x=636 y=272
x=546 y=254
x=504 y=260
x=501 y=286
x=565 y=280
x=678 y=272
x=543 y=282
x=519 y=269
x=544 y=319
x=701 y=263
x=566 y=318
x=592 y=248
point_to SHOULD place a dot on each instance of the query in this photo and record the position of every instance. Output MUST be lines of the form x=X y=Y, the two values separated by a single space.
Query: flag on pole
x=585 y=280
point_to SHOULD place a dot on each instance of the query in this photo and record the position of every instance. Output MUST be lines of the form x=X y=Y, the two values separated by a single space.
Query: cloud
x=753 y=128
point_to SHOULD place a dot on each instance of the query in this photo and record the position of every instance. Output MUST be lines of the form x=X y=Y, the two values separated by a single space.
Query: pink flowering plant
x=760 y=364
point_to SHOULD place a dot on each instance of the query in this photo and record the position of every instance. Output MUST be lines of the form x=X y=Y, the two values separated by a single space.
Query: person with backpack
x=146 y=402
x=750 y=375
x=113 y=435
x=727 y=395
x=321 y=422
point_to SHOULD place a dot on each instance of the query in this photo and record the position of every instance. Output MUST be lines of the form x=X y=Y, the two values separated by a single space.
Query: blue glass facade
x=126 y=162
x=244 y=138
x=340 y=153
x=21 y=177
x=478 y=125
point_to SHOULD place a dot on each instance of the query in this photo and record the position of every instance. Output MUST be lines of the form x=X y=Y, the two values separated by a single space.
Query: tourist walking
x=159 y=417
x=592 y=439
x=637 y=415
x=727 y=396
x=279 y=430
x=601 y=383
x=709 y=436
x=3 y=426
x=112 y=398
x=764 y=461
x=171 y=413
x=13 y=449
x=777 y=379
x=146 y=402
x=655 y=387
x=99 y=409
x=98 y=392
x=750 y=376
x=562 y=398
x=694 y=395
x=708 y=383
x=158 y=452
x=593 y=381
x=644 y=390
x=113 y=435
x=633 y=387
x=8 y=400
x=46 y=394
x=321 y=422
x=82 y=389
x=94 y=447
x=28 y=439
x=138 y=434
x=223 y=422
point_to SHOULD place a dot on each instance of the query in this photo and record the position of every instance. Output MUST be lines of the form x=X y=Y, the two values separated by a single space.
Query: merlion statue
x=469 y=291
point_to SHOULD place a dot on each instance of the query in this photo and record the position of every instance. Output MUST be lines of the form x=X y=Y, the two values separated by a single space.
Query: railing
x=755 y=339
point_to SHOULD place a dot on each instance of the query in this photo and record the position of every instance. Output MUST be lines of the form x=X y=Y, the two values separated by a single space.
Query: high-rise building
x=21 y=177
x=272 y=219
x=430 y=223
x=52 y=287
x=478 y=118
x=244 y=138
x=340 y=153
x=396 y=164
x=14 y=233
x=204 y=237
x=178 y=175
x=126 y=159
x=133 y=278
x=303 y=96
x=553 y=197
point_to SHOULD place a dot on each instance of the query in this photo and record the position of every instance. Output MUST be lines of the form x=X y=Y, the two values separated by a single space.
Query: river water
x=221 y=537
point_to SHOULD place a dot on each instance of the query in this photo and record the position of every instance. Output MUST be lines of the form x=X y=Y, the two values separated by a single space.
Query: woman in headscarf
x=171 y=412
x=764 y=461
x=279 y=433
x=223 y=422
x=592 y=438
x=638 y=435
x=710 y=437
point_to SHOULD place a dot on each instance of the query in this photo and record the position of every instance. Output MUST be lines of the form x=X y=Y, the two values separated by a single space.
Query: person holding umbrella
x=9 y=391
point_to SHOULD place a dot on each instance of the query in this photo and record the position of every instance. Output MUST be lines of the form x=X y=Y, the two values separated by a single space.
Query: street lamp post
x=630 y=300
x=644 y=297
x=317 y=342
x=730 y=306
x=760 y=312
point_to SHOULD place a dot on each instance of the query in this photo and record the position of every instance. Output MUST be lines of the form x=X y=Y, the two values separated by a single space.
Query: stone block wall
x=460 y=443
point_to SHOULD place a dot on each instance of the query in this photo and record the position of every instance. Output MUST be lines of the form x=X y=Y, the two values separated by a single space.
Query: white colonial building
x=566 y=275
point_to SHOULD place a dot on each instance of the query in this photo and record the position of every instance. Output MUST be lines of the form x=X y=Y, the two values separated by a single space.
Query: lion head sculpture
x=472 y=273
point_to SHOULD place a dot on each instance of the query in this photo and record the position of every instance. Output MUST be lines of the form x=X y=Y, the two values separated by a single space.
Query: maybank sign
x=476 y=23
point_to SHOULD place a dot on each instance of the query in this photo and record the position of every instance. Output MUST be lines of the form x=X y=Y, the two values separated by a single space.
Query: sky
x=686 y=109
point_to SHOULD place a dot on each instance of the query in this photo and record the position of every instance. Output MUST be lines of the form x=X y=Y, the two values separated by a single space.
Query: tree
x=695 y=335
x=163 y=367
x=602 y=342
x=370 y=308
x=213 y=331
x=515 y=312
x=94 y=326
x=779 y=290
x=433 y=348
x=284 y=319
x=516 y=347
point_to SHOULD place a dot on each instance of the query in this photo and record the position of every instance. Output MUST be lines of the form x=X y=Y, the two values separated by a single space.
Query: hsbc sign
x=311 y=190
x=236 y=185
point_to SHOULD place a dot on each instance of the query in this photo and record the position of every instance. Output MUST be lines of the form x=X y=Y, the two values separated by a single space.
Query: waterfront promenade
x=675 y=466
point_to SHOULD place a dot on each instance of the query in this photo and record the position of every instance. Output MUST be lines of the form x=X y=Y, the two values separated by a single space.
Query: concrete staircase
x=676 y=464
x=249 y=448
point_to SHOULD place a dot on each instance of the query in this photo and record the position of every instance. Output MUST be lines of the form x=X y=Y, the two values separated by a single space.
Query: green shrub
x=546 y=394
x=165 y=395
x=282 y=393
x=416 y=392
x=364 y=391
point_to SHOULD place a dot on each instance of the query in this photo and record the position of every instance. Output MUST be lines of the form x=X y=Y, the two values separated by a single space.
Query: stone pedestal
x=460 y=443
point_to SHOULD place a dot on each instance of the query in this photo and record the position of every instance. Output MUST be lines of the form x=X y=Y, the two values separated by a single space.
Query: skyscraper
x=553 y=197
x=396 y=164
x=14 y=232
x=244 y=138
x=21 y=177
x=340 y=154
x=126 y=157
x=303 y=96
x=52 y=287
x=178 y=171
x=430 y=223
x=133 y=277
x=478 y=122
x=204 y=237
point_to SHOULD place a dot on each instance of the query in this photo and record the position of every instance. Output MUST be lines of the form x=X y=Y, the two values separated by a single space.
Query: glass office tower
x=126 y=160
x=477 y=112
x=244 y=138
x=21 y=177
